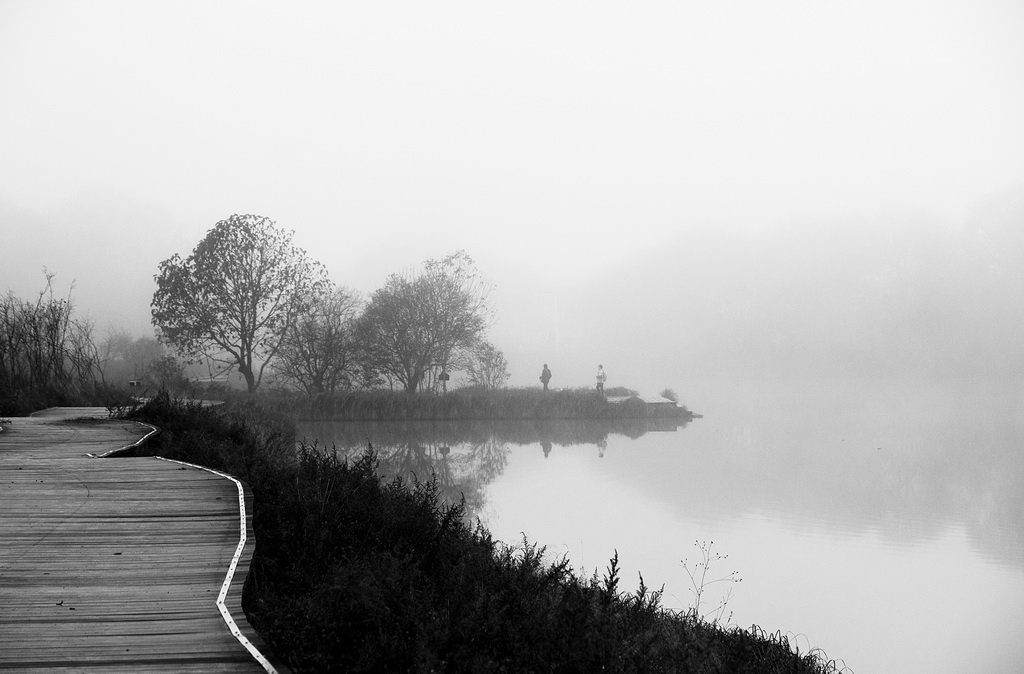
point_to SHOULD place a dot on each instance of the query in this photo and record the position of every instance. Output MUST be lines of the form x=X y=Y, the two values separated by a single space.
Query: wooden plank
x=114 y=564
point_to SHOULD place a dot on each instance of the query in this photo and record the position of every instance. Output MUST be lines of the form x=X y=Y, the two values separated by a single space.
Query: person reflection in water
x=602 y=445
x=545 y=376
x=546 y=446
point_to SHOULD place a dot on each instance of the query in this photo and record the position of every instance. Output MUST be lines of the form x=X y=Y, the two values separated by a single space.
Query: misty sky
x=563 y=145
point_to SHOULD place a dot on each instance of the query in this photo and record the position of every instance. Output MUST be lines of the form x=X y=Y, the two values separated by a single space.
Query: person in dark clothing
x=545 y=376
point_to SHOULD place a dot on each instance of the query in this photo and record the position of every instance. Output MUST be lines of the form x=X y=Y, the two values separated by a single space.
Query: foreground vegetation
x=352 y=573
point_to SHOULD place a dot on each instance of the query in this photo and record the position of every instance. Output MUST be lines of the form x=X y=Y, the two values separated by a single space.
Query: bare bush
x=47 y=355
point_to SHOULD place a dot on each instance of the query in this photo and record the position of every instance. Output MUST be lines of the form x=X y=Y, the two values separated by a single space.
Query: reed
x=468 y=403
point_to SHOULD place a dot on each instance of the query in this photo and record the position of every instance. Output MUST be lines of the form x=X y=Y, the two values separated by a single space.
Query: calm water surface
x=880 y=522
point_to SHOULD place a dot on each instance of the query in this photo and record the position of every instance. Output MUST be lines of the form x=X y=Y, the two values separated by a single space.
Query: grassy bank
x=354 y=574
x=468 y=403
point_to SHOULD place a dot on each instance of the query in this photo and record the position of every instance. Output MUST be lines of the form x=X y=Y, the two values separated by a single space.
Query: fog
x=806 y=218
x=677 y=191
x=899 y=296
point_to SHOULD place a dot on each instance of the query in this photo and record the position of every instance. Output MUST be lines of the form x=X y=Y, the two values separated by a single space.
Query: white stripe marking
x=152 y=431
x=231 y=569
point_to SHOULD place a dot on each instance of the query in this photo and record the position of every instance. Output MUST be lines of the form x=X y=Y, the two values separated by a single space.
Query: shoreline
x=354 y=573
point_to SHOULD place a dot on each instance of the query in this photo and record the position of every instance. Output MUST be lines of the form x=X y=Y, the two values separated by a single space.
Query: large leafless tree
x=235 y=297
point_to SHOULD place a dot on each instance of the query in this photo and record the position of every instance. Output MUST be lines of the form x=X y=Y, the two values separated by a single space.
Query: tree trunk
x=250 y=379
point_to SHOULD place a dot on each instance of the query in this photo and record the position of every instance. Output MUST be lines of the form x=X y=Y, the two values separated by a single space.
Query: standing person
x=545 y=376
x=601 y=379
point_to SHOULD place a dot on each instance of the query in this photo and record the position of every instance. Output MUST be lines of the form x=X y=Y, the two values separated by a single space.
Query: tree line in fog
x=248 y=300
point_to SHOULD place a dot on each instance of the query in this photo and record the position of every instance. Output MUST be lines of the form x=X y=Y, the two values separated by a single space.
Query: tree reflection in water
x=465 y=457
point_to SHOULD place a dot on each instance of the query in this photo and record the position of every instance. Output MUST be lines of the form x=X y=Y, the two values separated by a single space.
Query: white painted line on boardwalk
x=231 y=569
x=152 y=431
x=242 y=538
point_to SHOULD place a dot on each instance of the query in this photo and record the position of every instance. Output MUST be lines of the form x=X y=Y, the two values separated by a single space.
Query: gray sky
x=560 y=143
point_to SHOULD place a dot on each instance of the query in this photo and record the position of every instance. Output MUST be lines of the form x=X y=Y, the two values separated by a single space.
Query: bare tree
x=167 y=372
x=234 y=299
x=128 y=357
x=319 y=353
x=487 y=366
x=145 y=359
x=421 y=323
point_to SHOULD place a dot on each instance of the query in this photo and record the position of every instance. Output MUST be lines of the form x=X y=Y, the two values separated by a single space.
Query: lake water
x=880 y=522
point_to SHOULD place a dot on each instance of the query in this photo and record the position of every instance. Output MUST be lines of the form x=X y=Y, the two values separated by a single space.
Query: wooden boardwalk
x=117 y=564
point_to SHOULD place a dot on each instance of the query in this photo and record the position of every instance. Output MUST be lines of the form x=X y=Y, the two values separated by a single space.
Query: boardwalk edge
x=228 y=620
x=153 y=430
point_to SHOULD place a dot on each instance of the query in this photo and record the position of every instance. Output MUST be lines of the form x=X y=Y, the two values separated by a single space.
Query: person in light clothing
x=601 y=379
